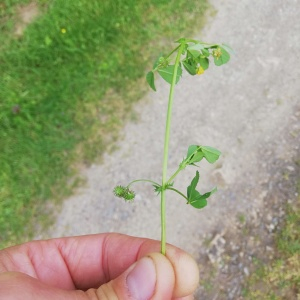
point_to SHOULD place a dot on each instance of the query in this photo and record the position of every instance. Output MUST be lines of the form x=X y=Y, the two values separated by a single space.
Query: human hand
x=103 y=266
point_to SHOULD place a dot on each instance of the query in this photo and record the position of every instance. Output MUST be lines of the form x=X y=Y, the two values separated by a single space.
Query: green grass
x=63 y=96
x=281 y=278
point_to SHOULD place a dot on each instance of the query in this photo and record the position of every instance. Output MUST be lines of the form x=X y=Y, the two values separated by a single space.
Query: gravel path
x=249 y=109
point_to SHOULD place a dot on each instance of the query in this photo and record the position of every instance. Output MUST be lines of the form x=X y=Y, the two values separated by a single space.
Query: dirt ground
x=250 y=110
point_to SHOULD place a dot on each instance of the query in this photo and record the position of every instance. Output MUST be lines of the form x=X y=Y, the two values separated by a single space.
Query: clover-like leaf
x=194 y=197
x=167 y=73
x=196 y=153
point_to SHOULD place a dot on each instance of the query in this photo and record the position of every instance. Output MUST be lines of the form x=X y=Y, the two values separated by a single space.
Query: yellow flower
x=217 y=53
x=200 y=70
x=63 y=30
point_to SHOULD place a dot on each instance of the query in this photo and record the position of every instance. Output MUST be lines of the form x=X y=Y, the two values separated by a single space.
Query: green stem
x=166 y=151
x=175 y=174
x=145 y=180
x=168 y=55
x=178 y=192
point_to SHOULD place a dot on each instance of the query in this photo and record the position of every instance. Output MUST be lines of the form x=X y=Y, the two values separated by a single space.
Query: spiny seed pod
x=129 y=195
x=124 y=192
x=119 y=191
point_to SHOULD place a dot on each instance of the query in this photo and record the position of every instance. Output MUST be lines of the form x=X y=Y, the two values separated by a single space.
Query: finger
x=152 y=277
x=186 y=272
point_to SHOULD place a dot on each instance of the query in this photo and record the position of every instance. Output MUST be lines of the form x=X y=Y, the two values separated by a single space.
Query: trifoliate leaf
x=150 y=80
x=167 y=73
x=194 y=197
x=196 y=153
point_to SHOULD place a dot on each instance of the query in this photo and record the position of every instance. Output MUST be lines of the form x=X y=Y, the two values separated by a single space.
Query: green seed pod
x=119 y=191
x=124 y=192
x=129 y=195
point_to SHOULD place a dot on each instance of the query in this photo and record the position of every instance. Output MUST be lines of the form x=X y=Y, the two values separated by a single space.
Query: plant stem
x=172 y=51
x=166 y=152
x=144 y=180
x=175 y=174
x=178 y=192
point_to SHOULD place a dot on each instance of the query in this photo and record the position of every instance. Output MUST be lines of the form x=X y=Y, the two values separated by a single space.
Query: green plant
x=64 y=94
x=196 y=60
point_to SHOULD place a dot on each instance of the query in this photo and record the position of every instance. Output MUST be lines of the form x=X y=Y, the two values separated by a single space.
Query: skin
x=93 y=267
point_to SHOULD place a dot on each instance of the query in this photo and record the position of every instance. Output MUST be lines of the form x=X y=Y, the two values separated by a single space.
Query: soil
x=26 y=15
x=250 y=110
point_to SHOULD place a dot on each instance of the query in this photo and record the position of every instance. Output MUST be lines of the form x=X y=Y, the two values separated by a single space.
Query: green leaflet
x=227 y=48
x=190 y=66
x=196 y=153
x=204 y=62
x=194 y=197
x=211 y=154
x=196 y=47
x=205 y=52
x=150 y=80
x=167 y=73
x=194 y=53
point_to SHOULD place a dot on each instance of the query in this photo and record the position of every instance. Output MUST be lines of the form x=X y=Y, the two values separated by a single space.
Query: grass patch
x=280 y=279
x=68 y=83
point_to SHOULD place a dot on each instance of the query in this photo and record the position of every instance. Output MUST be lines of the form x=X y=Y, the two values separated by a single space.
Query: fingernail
x=142 y=279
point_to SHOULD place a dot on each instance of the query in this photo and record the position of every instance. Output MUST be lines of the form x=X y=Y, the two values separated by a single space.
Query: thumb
x=152 y=277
